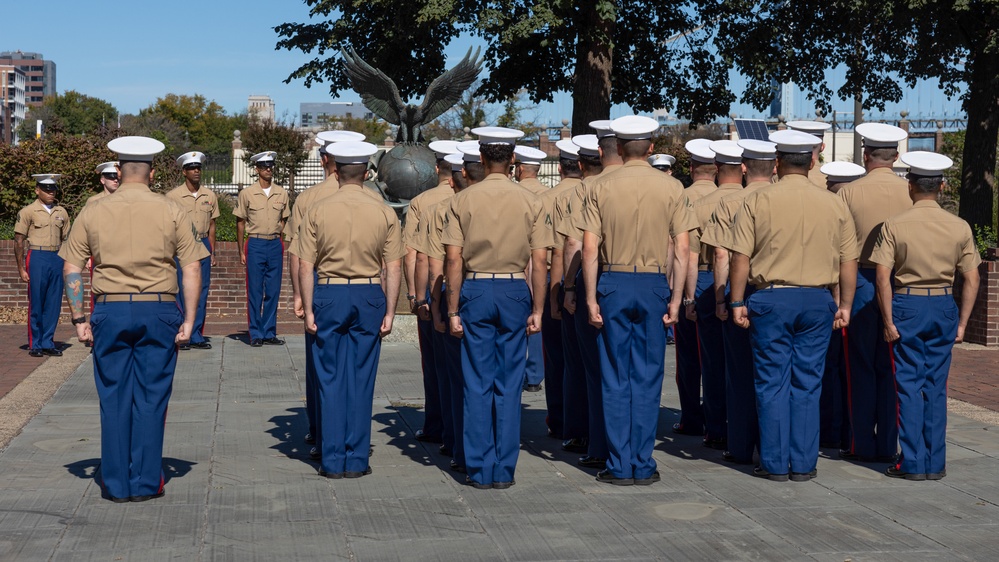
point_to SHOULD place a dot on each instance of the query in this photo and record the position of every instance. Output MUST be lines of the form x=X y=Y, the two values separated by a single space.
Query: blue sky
x=129 y=56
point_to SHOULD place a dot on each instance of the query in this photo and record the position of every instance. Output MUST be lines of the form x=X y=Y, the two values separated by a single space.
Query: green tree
x=71 y=112
x=205 y=124
x=292 y=147
x=374 y=129
x=953 y=41
x=602 y=51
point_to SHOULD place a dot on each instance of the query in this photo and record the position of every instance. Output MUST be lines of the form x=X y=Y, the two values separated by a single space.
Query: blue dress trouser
x=927 y=326
x=834 y=409
x=134 y=360
x=493 y=351
x=740 y=389
x=44 y=297
x=688 y=377
x=534 y=369
x=433 y=426
x=586 y=342
x=790 y=336
x=632 y=349
x=873 y=403
x=311 y=382
x=198 y=332
x=348 y=318
x=568 y=413
x=552 y=334
x=443 y=386
x=264 y=266
x=450 y=354
x=711 y=349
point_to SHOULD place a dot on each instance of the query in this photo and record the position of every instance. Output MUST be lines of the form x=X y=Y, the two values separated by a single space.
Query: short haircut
x=925 y=184
x=758 y=168
x=590 y=161
x=882 y=154
x=608 y=144
x=496 y=153
x=351 y=172
x=458 y=179
x=795 y=159
x=476 y=171
x=535 y=168
x=570 y=167
x=635 y=148
x=135 y=170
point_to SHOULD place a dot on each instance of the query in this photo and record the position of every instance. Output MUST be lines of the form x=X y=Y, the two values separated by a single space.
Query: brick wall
x=227 y=295
x=983 y=326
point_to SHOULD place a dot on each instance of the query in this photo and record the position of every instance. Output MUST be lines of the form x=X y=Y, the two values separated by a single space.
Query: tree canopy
x=71 y=113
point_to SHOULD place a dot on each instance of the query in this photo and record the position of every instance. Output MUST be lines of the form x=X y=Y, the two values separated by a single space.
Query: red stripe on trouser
x=27 y=267
x=246 y=269
x=898 y=405
x=849 y=385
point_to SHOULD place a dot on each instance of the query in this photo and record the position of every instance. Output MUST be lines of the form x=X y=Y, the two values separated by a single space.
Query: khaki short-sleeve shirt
x=571 y=227
x=704 y=209
x=133 y=236
x=794 y=234
x=496 y=223
x=925 y=245
x=96 y=197
x=719 y=226
x=555 y=202
x=264 y=214
x=202 y=206
x=417 y=207
x=41 y=227
x=303 y=203
x=349 y=234
x=432 y=231
x=872 y=200
x=634 y=212
x=533 y=185
x=699 y=189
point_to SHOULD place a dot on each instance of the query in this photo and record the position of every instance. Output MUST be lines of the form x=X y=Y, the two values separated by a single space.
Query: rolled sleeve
x=76 y=249
x=884 y=247
x=970 y=258
x=743 y=236
x=452 y=234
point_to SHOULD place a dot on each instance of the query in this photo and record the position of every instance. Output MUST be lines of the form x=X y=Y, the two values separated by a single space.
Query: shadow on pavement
x=172 y=468
x=289 y=431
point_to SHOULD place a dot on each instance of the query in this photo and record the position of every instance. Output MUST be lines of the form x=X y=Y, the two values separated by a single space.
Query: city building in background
x=12 y=102
x=318 y=115
x=40 y=74
x=262 y=107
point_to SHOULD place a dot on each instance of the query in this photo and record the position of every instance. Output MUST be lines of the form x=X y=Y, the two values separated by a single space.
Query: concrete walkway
x=241 y=487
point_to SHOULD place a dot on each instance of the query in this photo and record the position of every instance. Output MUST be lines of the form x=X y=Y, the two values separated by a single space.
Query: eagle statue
x=379 y=93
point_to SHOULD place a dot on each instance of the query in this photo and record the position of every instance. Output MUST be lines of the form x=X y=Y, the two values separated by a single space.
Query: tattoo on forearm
x=74 y=293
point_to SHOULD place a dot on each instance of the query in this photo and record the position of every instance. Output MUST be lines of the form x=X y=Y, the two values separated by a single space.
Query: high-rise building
x=12 y=108
x=40 y=74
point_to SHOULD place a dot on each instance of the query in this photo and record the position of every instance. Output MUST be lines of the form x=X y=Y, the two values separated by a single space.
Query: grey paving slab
x=240 y=486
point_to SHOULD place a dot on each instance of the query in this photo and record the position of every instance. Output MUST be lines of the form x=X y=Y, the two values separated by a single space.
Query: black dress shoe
x=146 y=498
x=357 y=474
x=427 y=438
x=804 y=476
x=648 y=481
x=315 y=454
x=575 y=445
x=532 y=387
x=273 y=341
x=107 y=496
x=503 y=485
x=896 y=472
x=678 y=428
x=457 y=467
x=38 y=353
x=718 y=444
x=309 y=439
x=606 y=477
x=936 y=475
x=733 y=459
x=256 y=343
x=183 y=347
x=476 y=485
x=444 y=451
x=201 y=345
x=760 y=472
x=592 y=462
x=51 y=352
x=331 y=475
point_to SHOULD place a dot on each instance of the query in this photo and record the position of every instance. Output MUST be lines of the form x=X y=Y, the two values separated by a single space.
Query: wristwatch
x=569 y=289
x=688 y=302
x=80 y=320
x=411 y=297
x=452 y=314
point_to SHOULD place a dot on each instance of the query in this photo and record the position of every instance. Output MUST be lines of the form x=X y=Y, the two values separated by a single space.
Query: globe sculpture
x=410 y=167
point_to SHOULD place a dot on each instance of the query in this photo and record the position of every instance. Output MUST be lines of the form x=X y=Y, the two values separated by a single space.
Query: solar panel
x=752 y=129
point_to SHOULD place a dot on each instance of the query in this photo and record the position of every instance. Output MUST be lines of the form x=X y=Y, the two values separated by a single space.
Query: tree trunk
x=594 y=64
x=978 y=176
